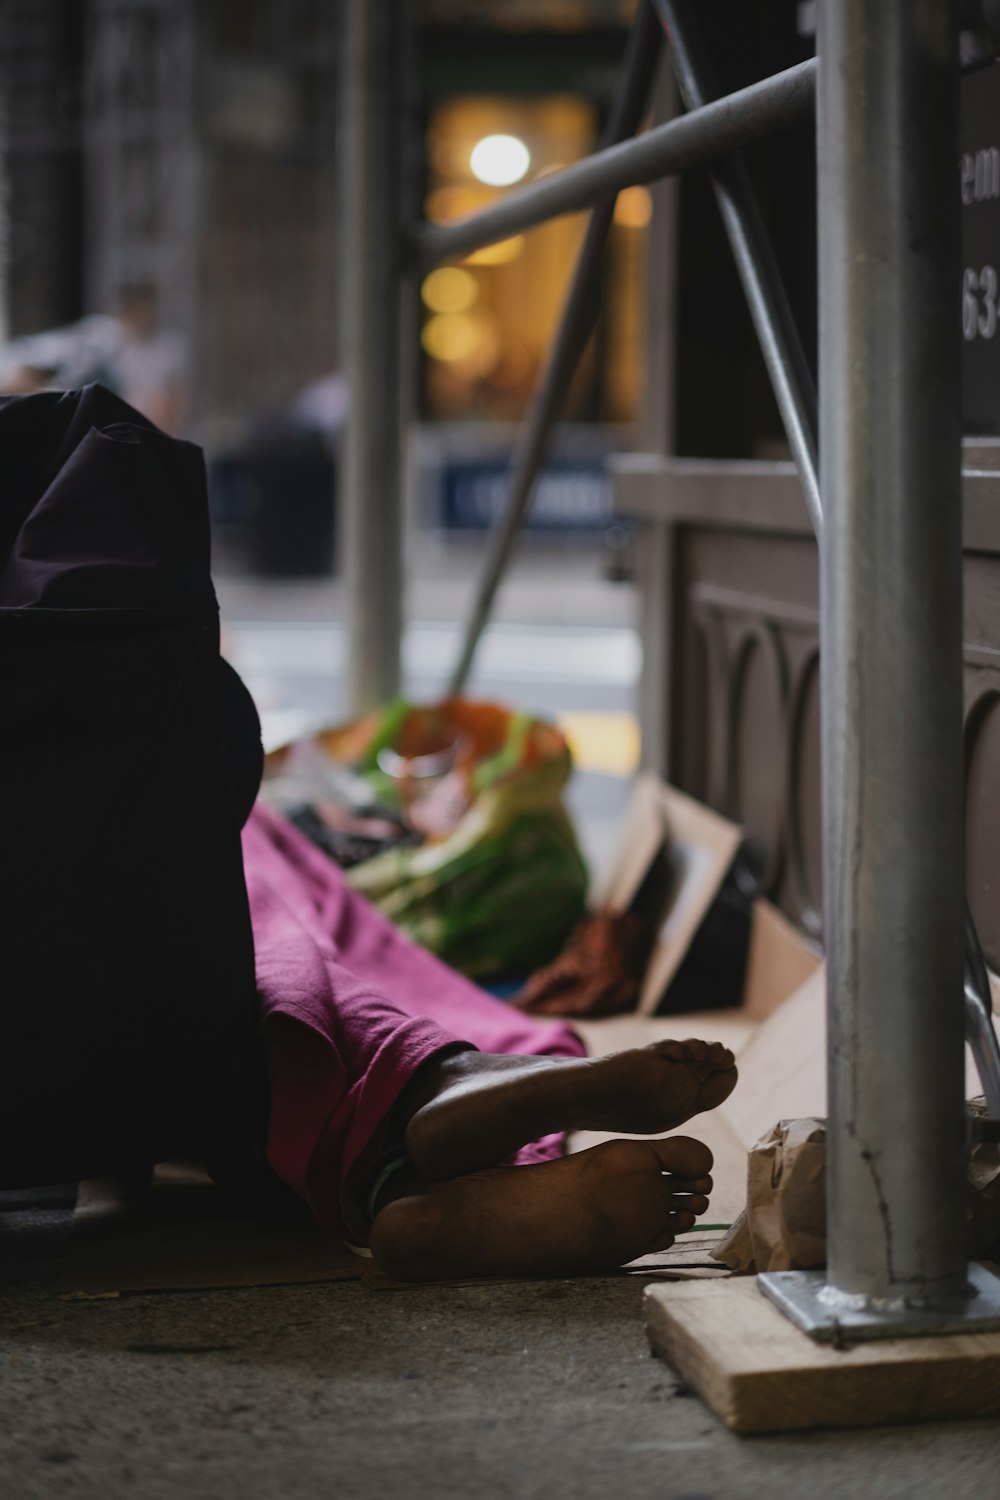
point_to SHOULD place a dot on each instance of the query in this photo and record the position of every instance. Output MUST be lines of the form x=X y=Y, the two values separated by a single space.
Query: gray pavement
x=526 y=1391
x=550 y=581
x=561 y=636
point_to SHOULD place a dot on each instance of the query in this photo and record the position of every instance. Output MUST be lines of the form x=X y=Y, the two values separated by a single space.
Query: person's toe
x=675 y=1051
x=683 y=1156
x=716 y=1085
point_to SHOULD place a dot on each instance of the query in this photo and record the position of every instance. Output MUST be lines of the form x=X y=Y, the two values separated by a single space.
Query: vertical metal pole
x=891 y=634
x=370 y=332
x=890 y=446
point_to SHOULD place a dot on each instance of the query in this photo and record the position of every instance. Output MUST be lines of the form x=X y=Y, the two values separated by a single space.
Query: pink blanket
x=351 y=1009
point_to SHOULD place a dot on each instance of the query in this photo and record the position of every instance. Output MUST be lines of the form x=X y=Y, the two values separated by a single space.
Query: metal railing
x=890 y=559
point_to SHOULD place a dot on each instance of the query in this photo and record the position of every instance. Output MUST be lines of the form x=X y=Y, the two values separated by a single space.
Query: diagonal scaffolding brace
x=576 y=324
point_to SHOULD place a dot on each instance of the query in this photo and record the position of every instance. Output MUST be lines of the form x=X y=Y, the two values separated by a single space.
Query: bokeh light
x=633 y=208
x=449 y=289
x=499 y=160
x=450 y=337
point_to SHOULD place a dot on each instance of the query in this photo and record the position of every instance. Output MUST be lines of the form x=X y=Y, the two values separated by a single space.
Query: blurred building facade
x=186 y=147
x=190 y=146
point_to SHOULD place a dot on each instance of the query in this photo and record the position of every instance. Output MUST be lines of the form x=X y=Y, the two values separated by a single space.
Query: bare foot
x=584 y=1214
x=475 y=1109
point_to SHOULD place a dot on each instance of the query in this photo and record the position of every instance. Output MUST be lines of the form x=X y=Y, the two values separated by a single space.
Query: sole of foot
x=582 y=1215
x=474 y=1109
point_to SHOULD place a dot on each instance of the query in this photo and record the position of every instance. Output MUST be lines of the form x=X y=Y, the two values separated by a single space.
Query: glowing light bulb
x=499 y=160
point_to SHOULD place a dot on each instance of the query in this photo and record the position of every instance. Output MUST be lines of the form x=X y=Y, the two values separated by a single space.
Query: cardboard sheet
x=701 y=847
x=181 y=1237
x=779 y=962
x=783 y=1068
x=688 y=1259
x=643 y=831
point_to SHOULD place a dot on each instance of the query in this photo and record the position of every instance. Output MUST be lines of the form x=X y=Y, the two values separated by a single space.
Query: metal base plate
x=832 y=1317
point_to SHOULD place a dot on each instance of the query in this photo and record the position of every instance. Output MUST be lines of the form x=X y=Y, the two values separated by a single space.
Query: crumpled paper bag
x=783 y=1227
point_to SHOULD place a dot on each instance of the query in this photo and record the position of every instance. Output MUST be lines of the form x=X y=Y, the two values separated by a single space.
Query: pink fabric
x=350 y=1010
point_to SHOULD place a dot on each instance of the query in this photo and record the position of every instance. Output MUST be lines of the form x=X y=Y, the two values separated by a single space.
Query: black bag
x=131 y=756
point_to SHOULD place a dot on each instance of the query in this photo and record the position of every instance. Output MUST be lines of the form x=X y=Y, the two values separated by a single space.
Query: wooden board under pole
x=760 y=1373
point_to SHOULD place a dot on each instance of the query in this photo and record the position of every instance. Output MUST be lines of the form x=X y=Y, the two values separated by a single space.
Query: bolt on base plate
x=831 y=1317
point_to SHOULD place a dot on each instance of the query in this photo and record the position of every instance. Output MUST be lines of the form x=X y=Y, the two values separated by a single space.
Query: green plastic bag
x=497 y=893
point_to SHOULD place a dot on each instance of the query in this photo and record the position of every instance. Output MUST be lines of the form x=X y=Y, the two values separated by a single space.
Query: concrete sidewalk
x=549 y=581
x=525 y=1391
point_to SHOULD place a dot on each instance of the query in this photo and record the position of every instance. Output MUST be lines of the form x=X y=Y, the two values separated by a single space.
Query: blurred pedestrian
x=128 y=351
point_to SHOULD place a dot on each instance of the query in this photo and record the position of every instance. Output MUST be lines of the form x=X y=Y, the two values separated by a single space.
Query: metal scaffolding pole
x=370 y=353
x=891 y=617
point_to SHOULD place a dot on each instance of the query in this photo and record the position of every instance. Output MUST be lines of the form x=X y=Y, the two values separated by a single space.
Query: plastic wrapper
x=486 y=870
